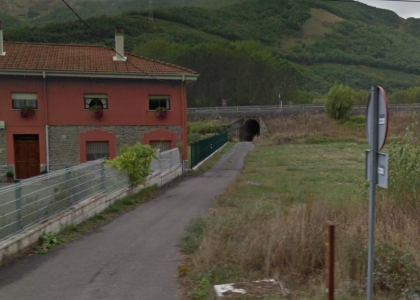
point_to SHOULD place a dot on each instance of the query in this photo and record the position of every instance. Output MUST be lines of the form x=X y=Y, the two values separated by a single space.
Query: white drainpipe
x=47 y=138
x=48 y=147
x=2 y=53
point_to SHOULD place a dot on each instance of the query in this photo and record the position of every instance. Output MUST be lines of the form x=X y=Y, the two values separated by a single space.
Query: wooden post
x=329 y=284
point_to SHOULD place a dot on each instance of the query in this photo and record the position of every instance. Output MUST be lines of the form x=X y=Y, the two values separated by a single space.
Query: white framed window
x=162 y=145
x=156 y=101
x=96 y=99
x=97 y=150
x=24 y=99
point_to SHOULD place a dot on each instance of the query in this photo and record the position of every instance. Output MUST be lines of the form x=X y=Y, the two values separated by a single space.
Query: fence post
x=69 y=186
x=103 y=175
x=18 y=196
x=330 y=240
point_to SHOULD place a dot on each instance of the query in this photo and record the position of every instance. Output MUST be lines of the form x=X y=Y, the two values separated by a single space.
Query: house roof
x=82 y=59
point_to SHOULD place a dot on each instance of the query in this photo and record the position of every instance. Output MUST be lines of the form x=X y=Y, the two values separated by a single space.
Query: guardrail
x=296 y=107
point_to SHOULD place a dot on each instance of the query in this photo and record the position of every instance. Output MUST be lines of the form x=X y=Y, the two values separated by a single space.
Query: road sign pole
x=372 y=192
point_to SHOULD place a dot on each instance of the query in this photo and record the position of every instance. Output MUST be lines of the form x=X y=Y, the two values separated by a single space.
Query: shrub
x=357 y=122
x=206 y=127
x=340 y=101
x=396 y=269
x=135 y=161
x=404 y=163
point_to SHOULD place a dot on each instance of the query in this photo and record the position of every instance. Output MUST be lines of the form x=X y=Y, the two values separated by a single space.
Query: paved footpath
x=133 y=257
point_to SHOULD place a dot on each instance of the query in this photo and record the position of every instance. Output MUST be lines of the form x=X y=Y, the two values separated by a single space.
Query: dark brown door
x=27 y=155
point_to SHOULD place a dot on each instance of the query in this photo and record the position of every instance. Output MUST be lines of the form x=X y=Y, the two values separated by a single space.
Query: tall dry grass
x=265 y=237
x=300 y=127
x=289 y=245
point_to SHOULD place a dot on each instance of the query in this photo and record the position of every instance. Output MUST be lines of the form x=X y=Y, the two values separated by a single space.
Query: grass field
x=307 y=171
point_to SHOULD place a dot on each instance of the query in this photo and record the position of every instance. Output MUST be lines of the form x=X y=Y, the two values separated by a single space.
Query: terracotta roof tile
x=81 y=58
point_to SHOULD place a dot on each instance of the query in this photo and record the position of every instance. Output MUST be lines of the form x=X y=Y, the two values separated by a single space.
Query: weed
x=202 y=290
x=98 y=218
x=356 y=122
x=396 y=269
x=116 y=207
x=129 y=201
x=47 y=241
x=404 y=163
x=191 y=239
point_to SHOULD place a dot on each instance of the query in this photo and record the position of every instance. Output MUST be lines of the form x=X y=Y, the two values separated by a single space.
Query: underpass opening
x=250 y=129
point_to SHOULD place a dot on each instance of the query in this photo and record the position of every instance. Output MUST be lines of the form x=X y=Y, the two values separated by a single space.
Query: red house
x=61 y=105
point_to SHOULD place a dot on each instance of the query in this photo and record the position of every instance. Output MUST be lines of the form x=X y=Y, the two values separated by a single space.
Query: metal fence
x=295 y=107
x=33 y=200
x=166 y=160
x=204 y=148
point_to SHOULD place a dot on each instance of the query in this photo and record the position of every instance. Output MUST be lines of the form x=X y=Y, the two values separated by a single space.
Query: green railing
x=202 y=149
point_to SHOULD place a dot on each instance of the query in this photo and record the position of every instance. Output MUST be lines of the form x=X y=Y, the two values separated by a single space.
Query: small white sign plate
x=382 y=169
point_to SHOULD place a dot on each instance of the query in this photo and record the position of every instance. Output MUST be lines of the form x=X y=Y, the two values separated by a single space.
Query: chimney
x=119 y=44
x=2 y=53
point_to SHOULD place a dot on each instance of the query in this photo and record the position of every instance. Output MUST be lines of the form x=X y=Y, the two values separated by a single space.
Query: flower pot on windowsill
x=161 y=112
x=97 y=112
x=27 y=111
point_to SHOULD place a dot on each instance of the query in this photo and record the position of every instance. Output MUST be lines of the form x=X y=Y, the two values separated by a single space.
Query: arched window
x=96 y=100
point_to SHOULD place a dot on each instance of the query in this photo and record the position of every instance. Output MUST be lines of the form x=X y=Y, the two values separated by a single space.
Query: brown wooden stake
x=329 y=284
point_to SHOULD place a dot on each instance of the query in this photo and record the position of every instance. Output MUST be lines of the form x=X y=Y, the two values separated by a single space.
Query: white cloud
x=403 y=9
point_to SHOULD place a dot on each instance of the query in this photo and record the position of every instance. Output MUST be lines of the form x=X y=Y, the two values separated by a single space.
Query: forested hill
x=23 y=12
x=249 y=51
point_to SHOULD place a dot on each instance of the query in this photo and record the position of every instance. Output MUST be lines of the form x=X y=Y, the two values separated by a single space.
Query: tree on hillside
x=244 y=73
x=340 y=101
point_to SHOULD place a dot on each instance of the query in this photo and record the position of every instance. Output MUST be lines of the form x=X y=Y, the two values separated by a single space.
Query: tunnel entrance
x=250 y=129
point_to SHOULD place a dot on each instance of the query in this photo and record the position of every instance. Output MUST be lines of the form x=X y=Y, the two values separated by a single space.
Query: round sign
x=382 y=119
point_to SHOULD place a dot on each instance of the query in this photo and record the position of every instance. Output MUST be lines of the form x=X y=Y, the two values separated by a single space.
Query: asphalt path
x=133 y=257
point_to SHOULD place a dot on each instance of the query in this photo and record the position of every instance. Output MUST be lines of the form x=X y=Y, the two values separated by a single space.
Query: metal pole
x=18 y=203
x=330 y=241
x=102 y=166
x=372 y=190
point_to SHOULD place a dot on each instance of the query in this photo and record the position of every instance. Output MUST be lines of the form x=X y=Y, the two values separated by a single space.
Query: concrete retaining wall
x=18 y=244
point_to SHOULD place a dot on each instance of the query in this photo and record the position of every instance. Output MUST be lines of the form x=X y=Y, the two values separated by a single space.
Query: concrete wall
x=74 y=215
x=66 y=148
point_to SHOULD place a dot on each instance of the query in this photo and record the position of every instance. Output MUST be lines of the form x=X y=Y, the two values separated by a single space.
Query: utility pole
x=280 y=102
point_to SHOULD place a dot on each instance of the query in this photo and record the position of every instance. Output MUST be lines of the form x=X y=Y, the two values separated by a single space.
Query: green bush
x=396 y=269
x=340 y=101
x=357 y=122
x=135 y=161
x=206 y=127
x=404 y=163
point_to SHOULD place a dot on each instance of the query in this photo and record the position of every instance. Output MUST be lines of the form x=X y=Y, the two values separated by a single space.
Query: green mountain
x=249 y=51
x=39 y=12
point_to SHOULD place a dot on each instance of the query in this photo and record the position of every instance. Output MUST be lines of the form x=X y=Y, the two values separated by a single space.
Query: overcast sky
x=403 y=9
